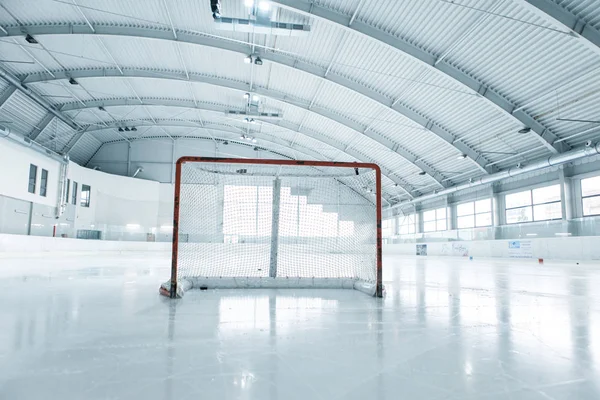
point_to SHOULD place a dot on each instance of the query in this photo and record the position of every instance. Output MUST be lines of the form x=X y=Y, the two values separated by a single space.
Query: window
x=434 y=220
x=474 y=214
x=44 y=183
x=32 y=178
x=74 y=194
x=407 y=224
x=541 y=204
x=66 y=198
x=86 y=193
x=387 y=228
x=590 y=192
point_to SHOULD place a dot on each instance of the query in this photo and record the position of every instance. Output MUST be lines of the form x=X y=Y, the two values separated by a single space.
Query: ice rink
x=94 y=327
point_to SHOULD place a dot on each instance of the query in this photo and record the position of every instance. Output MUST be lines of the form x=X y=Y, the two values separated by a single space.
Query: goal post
x=267 y=223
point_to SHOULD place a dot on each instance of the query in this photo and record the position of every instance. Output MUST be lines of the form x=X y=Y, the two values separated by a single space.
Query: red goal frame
x=187 y=159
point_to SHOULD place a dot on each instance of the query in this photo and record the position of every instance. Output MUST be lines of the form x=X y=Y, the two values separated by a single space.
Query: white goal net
x=256 y=225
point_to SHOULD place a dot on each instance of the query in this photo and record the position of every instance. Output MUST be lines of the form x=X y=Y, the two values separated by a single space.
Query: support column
x=566 y=199
x=275 y=228
x=497 y=213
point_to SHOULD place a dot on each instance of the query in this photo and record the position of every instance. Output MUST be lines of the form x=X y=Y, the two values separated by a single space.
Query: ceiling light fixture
x=461 y=157
x=248 y=60
x=120 y=129
x=215 y=7
x=30 y=39
x=525 y=130
x=422 y=173
x=73 y=81
x=258 y=61
x=133 y=128
x=127 y=129
x=101 y=108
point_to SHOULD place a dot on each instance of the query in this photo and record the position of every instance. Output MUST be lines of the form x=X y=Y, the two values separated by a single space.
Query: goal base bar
x=184 y=285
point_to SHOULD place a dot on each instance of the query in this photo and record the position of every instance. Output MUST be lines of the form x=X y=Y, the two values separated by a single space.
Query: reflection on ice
x=95 y=328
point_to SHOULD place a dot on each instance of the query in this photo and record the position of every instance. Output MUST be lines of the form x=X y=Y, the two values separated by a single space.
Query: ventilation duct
x=552 y=161
x=26 y=142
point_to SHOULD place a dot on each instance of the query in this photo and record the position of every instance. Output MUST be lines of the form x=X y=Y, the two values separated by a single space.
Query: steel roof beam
x=228 y=131
x=35 y=97
x=235 y=85
x=282 y=124
x=542 y=133
x=221 y=109
x=279 y=58
x=33 y=135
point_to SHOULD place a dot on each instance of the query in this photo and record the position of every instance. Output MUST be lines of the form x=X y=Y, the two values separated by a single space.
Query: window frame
x=32 y=181
x=85 y=202
x=589 y=196
x=74 y=194
x=44 y=183
x=532 y=205
x=474 y=214
x=437 y=220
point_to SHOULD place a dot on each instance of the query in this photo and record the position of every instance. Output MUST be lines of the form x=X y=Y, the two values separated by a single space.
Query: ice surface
x=91 y=327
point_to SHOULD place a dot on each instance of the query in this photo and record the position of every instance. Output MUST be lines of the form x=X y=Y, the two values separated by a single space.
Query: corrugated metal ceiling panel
x=24 y=114
x=85 y=148
x=519 y=59
x=588 y=10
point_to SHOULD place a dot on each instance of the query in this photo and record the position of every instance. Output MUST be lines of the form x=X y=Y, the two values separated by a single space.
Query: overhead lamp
x=422 y=173
x=127 y=129
x=255 y=97
x=525 y=130
x=120 y=129
x=248 y=60
x=73 y=81
x=247 y=96
x=258 y=61
x=101 y=108
x=256 y=149
x=215 y=7
x=264 y=6
x=133 y=128
x=30 y=39
x=461 y=157
x=226 y=143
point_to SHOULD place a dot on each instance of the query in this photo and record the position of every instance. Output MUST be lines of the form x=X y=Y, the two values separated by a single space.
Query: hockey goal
x=262 y=223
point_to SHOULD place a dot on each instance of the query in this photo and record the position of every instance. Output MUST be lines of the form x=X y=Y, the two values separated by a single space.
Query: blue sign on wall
x=514 y=244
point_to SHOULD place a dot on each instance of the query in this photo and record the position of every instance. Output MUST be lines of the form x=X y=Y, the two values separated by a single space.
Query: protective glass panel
x=518 y=199
x=546 y=194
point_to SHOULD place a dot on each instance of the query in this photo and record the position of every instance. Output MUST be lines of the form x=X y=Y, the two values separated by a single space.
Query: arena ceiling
x=436 y=92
